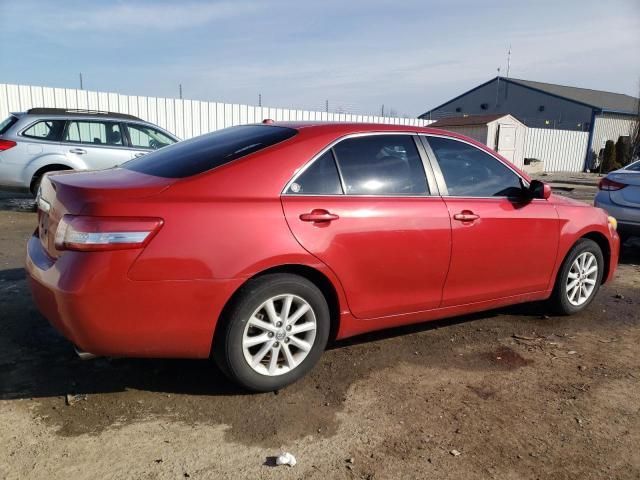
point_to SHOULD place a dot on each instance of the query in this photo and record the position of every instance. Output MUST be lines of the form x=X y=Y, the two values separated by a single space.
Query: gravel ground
x=508 y=394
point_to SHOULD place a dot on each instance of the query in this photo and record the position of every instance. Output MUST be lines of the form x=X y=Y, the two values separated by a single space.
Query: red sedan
x=257 y=243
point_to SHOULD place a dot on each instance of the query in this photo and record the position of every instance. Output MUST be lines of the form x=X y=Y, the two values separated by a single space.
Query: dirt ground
x=513 y=393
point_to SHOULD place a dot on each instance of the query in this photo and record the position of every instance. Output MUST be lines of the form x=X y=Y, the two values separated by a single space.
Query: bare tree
x=635 y=133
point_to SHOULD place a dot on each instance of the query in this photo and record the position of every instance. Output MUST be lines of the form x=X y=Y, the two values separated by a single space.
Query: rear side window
x=7 y=123
x=97 y=133
x=45 y=130
x=321 y=178
x=143 y=136
x=205 y=152
x=381 y=165
x=470 y=172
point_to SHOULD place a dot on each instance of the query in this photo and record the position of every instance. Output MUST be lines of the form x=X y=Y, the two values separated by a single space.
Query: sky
x=407 y=55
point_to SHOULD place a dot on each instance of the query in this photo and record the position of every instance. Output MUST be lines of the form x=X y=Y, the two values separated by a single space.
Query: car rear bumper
x=91 y=301
x=625 y=215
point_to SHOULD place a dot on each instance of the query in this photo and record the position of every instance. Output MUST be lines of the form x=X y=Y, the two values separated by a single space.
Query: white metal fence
x=561 y=150
x=184 y=118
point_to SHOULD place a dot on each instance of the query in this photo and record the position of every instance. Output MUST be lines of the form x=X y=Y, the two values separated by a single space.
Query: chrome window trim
x=330 y=146
x=440 y=177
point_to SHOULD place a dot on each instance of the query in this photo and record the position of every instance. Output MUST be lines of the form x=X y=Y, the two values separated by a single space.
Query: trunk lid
x=628 y=196
x=74 y=193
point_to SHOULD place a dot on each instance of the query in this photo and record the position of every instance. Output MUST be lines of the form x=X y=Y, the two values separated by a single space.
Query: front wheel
x=273 y=333
x=579 y=278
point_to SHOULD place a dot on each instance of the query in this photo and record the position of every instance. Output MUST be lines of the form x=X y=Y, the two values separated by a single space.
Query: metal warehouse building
x=602 y=115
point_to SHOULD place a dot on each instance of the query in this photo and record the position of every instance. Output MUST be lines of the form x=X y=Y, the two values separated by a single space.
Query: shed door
x=507 y=141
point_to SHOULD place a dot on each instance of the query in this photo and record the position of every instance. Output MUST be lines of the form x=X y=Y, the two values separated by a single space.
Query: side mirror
x=539 y=189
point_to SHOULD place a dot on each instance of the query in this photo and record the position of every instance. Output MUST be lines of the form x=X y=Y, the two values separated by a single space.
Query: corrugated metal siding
x=184 y=118
x=477 y=132
x=561 y=150
x=610 y=127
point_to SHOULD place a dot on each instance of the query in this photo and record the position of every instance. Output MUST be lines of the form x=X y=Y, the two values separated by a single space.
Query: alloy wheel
x=581 y=279
x=279 y=335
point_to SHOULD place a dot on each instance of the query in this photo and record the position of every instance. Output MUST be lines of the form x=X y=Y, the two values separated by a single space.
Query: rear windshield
x=634 y=167
x=7 y=123
x=203 y=153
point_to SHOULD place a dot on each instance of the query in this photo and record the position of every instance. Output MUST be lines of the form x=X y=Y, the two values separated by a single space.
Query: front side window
x=45 y=130
x=321 y=178
x=143 y=136
x=381 y=165
x=470 y=172
x=97 y=133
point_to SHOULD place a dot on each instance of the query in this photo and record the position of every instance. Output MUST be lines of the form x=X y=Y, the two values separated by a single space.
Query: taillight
x=6 y=145
x=86 y=233
x=607 y=184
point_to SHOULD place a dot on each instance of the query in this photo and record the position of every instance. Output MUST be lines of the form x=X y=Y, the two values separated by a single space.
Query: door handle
x=318 y=215
x=139 y=154
x=466 y=216
x=78 y=151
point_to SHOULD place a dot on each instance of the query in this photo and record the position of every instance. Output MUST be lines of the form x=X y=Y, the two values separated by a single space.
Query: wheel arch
x=604 y=245
x=315 y=276
x=50 y=167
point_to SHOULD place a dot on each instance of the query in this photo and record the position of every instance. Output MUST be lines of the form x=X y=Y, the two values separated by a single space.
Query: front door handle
x=466 y=216
x=139 y=154
x=78 y=151
x=318 y=215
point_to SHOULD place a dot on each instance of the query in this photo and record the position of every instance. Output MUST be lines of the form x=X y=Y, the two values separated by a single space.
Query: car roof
x=73 y=112
x=354 y=127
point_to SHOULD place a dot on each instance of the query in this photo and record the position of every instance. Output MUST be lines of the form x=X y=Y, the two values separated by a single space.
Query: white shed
x=502 y=132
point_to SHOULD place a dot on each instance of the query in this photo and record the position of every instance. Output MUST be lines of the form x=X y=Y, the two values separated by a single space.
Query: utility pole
x=259 y=99
x=326 y=106
x=508 y=60
x=81 y=86
x=382 y=111
x=497 y=87
x=180 y=89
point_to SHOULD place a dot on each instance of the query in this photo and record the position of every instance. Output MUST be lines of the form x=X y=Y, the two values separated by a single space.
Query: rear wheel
x=274 y=332
x=579 y=278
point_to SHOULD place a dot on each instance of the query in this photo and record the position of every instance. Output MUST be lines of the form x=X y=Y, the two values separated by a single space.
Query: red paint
x=391 y=260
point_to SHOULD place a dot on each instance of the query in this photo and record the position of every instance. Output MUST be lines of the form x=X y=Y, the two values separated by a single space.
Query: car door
x=365 y=209
x=503 y=243
x=98 y=144
x=144 y=139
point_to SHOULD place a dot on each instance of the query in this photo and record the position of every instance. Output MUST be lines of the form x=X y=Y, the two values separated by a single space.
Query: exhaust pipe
x=84 y=355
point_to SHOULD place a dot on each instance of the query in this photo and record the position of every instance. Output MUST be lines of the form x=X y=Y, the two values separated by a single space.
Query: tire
x=250 y=338
x=35 y=184
x=568 y=301
x=36 y=180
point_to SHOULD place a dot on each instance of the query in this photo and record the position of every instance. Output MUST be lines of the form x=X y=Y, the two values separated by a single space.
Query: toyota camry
x=257 y=244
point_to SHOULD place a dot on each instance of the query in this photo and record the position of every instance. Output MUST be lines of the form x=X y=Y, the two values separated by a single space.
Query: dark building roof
x=598 y=99
x=467 y=120
x=608 y=101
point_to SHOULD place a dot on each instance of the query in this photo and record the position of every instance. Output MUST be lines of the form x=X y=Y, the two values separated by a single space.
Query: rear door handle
x=139 y=154
x=466 y=216
x=78 y=151
x=318 y=215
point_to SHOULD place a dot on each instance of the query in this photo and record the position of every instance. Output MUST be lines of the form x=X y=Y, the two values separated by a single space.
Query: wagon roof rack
x=79 y=112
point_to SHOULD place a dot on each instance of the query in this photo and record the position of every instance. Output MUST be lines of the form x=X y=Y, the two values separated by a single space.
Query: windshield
x=197 y=155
